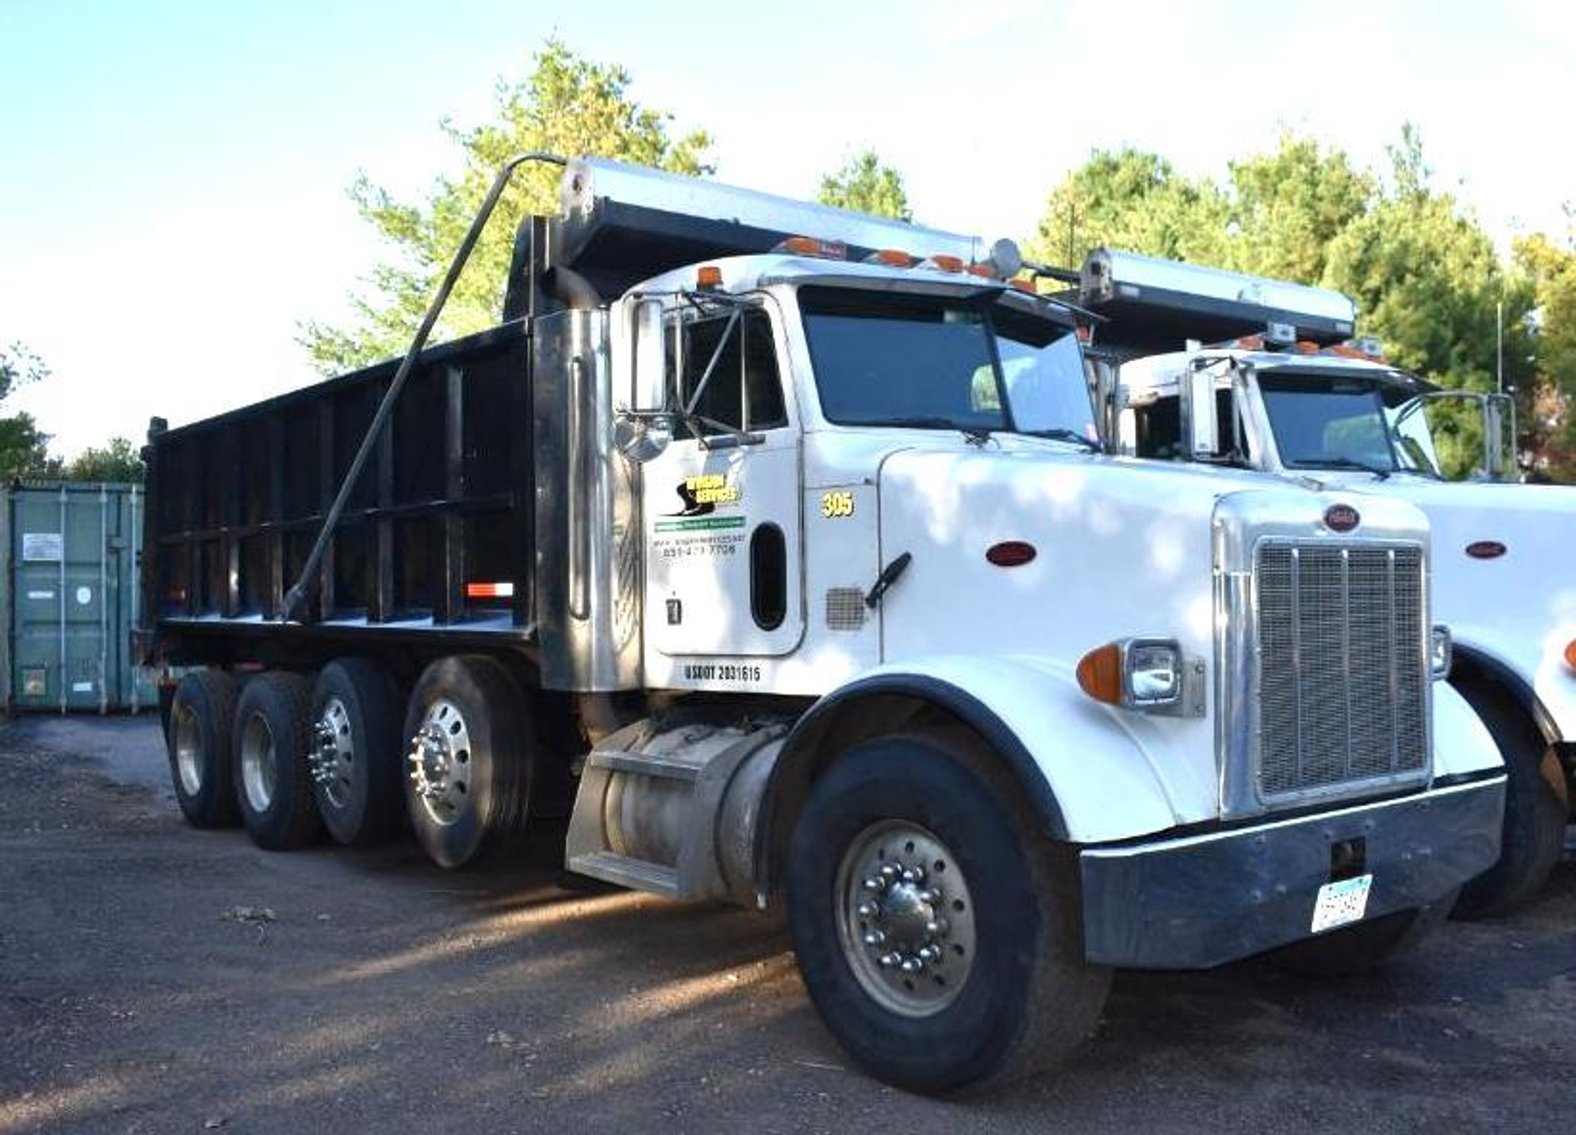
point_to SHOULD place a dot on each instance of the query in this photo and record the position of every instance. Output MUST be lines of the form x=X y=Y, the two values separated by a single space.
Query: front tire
x=935 y=928
x=468 y=760
x=1536 y=809
x=198 y=738
x=273 y=784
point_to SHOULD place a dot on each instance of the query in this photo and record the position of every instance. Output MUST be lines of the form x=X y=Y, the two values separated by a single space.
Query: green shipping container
x=71 y=598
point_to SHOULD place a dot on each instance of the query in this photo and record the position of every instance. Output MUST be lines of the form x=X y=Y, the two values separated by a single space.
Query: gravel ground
x=154 y=978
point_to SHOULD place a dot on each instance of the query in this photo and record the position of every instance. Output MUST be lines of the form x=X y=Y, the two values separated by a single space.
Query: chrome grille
x=1342 y=659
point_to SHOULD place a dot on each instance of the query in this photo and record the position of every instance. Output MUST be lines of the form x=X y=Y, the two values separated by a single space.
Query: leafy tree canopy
x=23 y=448
x=118 y=460
x=566 y=105
x=865 y=185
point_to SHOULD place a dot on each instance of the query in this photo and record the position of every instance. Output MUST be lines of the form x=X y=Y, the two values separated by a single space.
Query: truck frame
x=766 y=543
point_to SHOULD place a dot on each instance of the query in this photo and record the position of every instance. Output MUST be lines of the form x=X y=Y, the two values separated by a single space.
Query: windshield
x=895 y=359
x=1327 y=421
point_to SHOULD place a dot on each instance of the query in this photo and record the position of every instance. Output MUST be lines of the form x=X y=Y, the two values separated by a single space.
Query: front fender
x=1462 y=743
x=1089 y=775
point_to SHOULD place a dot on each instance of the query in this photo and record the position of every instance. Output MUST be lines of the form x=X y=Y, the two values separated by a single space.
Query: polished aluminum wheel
x=905 y=918
x=259 y=764
x=334 y=759
x=188 y=749
x=440 y=762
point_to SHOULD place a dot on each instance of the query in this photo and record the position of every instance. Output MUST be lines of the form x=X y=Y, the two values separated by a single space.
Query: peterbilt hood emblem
x=1341 y=518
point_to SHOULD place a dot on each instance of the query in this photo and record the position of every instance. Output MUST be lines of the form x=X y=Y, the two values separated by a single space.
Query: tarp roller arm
x=301 y=591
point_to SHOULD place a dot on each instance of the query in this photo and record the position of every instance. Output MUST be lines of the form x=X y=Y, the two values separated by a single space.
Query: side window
x=732 y=365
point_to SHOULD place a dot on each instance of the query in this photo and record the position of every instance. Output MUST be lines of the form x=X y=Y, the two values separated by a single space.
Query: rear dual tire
x=468 y=761
x=273 y=782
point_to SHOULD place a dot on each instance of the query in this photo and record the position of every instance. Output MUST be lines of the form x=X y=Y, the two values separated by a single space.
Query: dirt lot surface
x=154 y=978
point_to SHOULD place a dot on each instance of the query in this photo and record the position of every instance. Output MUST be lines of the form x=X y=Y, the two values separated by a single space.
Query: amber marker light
x=1100 y=673
x=708 y=276
x=1570 y=654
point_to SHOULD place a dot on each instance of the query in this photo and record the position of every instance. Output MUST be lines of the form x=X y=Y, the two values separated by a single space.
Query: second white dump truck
x=1280 y=391
x=769 y=542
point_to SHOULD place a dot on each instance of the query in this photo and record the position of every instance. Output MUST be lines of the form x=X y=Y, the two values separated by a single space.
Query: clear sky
x=173 y=172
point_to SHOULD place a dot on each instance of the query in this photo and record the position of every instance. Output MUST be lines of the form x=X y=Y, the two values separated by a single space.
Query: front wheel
x=936 y=930
x=1536 y=809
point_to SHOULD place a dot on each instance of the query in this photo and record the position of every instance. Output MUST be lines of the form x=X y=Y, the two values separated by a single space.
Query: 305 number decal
x=837 y=504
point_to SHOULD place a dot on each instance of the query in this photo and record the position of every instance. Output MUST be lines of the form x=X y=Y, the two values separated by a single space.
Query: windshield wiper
x=1062 y=433
x=924 y=423
x=1342 y=463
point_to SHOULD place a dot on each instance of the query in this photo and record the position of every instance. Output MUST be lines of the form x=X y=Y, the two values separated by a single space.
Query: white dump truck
x=768 y=543
x=1280 y=391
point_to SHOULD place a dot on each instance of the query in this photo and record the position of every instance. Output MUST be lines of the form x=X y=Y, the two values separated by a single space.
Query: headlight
x=1149 y=674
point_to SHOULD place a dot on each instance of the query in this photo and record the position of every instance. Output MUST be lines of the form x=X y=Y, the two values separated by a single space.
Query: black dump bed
x=436 y=537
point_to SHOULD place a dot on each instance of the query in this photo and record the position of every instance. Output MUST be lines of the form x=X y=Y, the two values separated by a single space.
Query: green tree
x=1136 y=201
x=1427 y=280
x=566 y=105
x=865 y=185
x=23 y=449
x=1547 y=421
x=1289 y=205
x=118 y=461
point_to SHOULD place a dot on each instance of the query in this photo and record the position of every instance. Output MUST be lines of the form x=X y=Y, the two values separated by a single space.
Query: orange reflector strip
x=892 y=257
x=947 y=263
x=1100 y=673
x=489 y=591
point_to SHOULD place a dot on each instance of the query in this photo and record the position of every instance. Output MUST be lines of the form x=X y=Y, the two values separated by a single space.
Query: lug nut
x=912 y=965
x=874 y=938
x=937 y=927
x=930 y=894
x=889 y=872
x=868 y=909
x=890 y=960
x=913 y=874
x=875 y=883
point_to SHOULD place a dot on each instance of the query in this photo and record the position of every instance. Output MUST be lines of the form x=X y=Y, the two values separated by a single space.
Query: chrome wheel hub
x=259 y=764
x=188 y=750
x=440 y=762
x=905 y=918
x=332 y=759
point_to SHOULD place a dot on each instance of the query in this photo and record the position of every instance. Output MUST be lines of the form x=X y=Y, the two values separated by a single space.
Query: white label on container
x=84 y=595
x=82 y=687
x=48 y=546
x=40 y=594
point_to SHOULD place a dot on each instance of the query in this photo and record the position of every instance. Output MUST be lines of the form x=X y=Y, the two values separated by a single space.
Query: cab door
x=721 y=503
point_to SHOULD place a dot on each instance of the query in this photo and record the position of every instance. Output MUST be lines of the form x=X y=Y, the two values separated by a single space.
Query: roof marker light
x=946 y=263
x=708 y=276
x=814 y=246
x=891 y=257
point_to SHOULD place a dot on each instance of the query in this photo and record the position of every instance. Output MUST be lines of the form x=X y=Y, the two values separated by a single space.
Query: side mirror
x=649 y=394
x=1200 y=424
x=645 y=429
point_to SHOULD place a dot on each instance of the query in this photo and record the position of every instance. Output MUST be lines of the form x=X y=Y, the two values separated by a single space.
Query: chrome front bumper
x=1192 y=902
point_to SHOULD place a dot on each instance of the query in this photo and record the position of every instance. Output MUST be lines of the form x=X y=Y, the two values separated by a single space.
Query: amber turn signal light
x=1100 y=673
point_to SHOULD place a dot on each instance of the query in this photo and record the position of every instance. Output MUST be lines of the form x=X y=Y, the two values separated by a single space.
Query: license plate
x=1340 y=903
